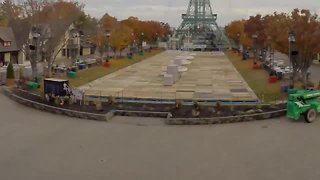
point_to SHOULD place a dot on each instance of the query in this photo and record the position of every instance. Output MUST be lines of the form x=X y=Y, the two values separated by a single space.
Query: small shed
x=55 y=86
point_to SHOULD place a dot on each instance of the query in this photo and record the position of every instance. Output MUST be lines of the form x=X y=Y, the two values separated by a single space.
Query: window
x=63 y=52
x=7 y=44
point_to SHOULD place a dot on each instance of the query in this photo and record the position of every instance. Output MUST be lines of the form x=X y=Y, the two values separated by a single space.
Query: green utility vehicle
x=303 y=102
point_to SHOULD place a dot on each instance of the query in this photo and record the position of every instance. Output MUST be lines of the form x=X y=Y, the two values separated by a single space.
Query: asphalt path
x=36 y=145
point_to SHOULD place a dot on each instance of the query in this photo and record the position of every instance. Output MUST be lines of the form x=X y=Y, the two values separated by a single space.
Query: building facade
x=9 y=50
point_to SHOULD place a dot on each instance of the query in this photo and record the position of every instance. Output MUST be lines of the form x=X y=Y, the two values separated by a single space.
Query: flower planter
x=10 y=82
x=107 y=65
x=72 y=74
x=273 y=79
x=256 y=66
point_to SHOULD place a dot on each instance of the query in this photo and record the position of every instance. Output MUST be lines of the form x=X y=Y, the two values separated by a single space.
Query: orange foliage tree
x=274 y=29
x=152 y=30
x=120 y=37
x=306 y=27
x=235 y=31
x=128 y=33
x=108 y=22
x=256 y=25
x=100 y=40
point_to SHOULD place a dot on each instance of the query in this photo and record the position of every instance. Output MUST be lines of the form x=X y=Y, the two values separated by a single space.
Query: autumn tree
x=108 y=22
x=120 y=37
x=256 y=25
x=100 y=40
x=278 y=28
x=9 y=11
x=86 y=24
x=31 y=10
x=273 y=29
x=236 y=32
x=306 y=27
x=58 y=19
x=151 y=30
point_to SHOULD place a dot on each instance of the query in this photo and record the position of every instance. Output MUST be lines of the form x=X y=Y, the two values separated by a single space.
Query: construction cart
x=303 y=102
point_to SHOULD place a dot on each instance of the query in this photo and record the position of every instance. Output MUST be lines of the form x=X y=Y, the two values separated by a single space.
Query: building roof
x=6 y=34
x=85 y=44
x=21 y=29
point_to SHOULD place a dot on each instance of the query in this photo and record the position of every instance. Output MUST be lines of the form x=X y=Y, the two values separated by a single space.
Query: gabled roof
x=6 y=34
x=21 y=29
x=85 y=44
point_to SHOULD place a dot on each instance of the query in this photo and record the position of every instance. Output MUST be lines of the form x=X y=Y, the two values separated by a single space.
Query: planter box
x=107 y=65
x=72 y=74
x=10 y=82
x=273 y=79
x=256 y=66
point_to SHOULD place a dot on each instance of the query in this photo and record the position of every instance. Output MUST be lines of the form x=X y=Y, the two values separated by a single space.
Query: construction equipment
x=303 y=102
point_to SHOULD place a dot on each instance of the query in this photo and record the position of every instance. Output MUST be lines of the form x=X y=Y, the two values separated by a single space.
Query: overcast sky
x=170 y=10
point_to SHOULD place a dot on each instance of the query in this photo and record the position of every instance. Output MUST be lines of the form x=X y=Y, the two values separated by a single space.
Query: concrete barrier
x=229 y=119
x=142 y=113
x=57 y=110
x=169 y=120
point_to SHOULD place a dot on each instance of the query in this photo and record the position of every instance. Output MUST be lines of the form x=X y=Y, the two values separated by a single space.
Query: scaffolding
x=200 y=24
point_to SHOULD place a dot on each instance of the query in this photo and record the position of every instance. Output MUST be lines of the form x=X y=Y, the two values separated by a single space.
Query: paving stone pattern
x=209 y=77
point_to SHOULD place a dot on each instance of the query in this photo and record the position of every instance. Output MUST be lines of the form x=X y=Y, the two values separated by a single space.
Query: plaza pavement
x=209 y=77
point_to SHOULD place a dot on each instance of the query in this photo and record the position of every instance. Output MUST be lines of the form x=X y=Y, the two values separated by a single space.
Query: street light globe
x=291 y=37
x=254 y=36
x=35 y=35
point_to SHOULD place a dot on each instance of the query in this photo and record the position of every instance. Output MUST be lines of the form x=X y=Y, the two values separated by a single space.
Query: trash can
x=273 y=79
x=82 y=66
x=107 y=65
x=32 y=85
x=129 y=56
x=72 y=74
x=284 y=88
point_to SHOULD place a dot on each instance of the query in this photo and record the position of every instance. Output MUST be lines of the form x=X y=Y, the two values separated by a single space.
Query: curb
x=225 y=120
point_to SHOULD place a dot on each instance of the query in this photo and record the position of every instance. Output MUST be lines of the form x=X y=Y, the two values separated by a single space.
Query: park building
x=9 y=47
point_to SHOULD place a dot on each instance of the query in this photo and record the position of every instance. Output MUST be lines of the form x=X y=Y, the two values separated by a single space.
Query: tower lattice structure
x=200 y=25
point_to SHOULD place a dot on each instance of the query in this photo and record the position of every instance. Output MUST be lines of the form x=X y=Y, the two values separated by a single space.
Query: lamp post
x=142 y=35
x=238 y=41
x=255 y=37
x=291 y=39
x=36 y=37
x=107 y=44
x=132 y=43
x=36 y=46
x=269 y=49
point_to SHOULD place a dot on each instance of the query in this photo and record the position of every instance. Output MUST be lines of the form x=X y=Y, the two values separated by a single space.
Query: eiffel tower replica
x=199 y=28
